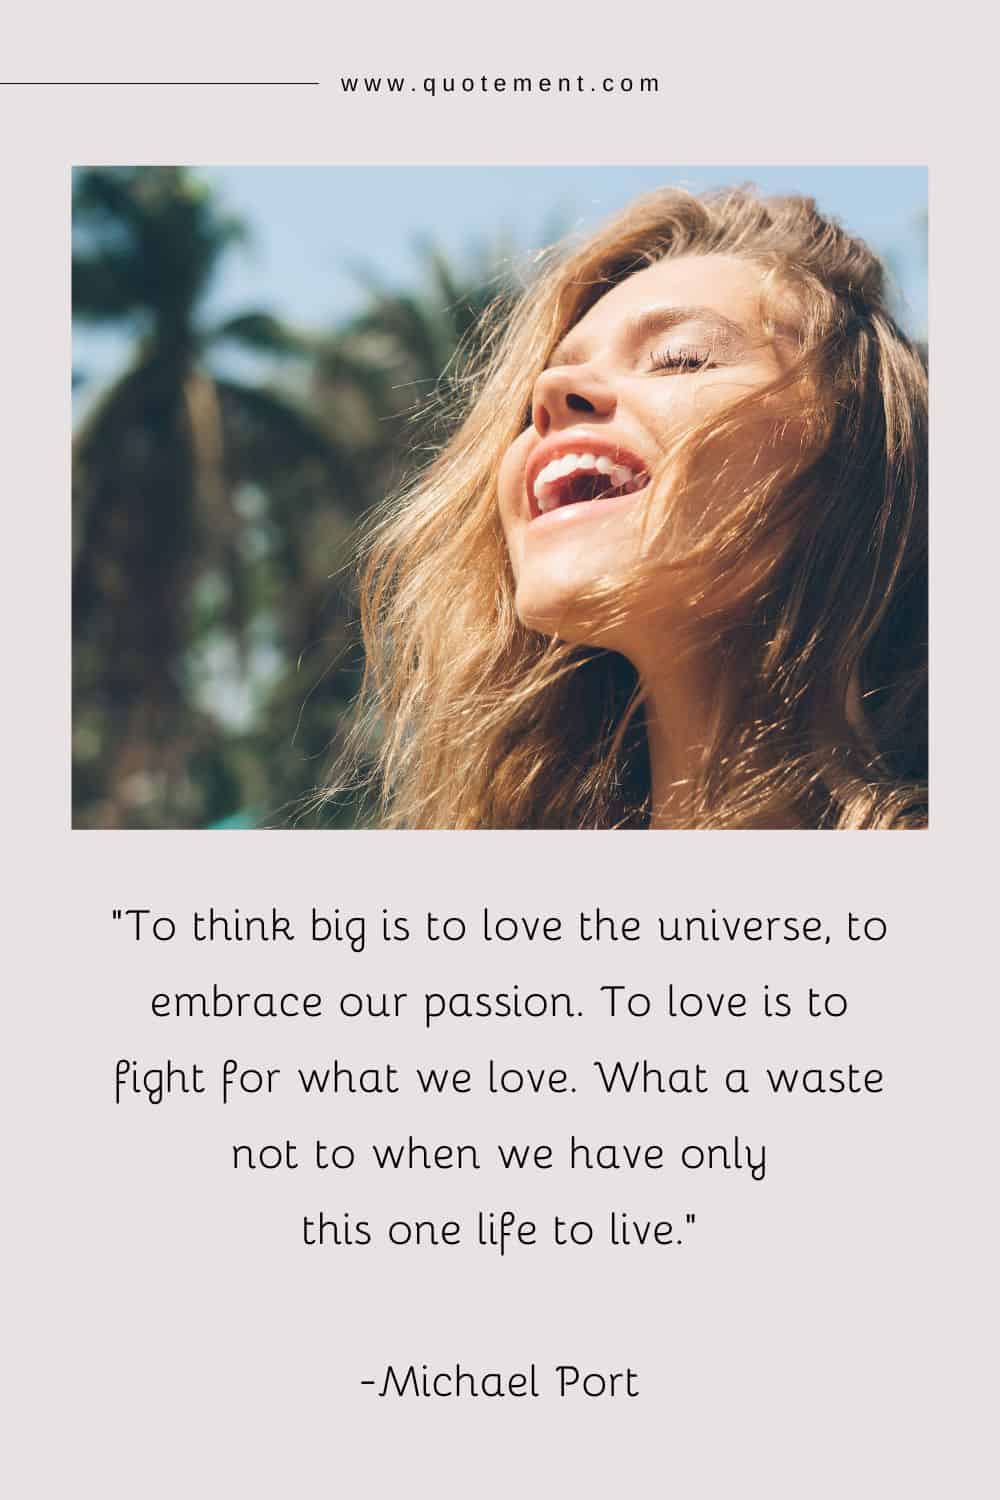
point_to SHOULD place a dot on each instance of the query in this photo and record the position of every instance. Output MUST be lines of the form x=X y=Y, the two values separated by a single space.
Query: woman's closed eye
x=681 y=357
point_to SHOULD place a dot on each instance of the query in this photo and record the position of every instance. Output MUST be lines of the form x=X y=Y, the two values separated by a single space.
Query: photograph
x=496 y=498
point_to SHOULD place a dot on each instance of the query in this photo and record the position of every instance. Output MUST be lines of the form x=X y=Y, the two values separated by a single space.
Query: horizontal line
x=159 y=83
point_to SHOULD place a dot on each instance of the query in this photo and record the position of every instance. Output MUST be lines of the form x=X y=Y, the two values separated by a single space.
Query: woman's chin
x=571 y=617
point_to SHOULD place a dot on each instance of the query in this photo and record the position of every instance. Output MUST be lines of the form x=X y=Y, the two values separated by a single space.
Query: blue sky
x=311 y=225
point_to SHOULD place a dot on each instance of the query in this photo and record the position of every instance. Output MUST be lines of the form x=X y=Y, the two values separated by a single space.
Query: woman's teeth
x=548 y=490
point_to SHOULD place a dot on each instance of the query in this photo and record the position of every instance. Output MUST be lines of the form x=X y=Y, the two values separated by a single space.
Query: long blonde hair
x=468 y=720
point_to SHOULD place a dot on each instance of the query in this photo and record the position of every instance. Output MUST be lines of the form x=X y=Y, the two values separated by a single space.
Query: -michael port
x=456 y=1382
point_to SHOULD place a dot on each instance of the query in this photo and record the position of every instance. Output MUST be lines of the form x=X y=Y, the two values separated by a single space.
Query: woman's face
x=655 y=356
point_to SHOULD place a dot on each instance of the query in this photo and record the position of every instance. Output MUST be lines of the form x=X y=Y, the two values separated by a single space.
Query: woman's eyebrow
x=659 y=320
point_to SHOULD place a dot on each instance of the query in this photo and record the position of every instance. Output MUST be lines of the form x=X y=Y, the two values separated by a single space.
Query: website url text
x=454 y=84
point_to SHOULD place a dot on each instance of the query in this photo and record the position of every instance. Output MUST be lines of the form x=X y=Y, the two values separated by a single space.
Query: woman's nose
x=566 y=393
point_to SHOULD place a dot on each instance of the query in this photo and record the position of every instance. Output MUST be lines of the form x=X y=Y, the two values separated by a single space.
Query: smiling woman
x=671 y=569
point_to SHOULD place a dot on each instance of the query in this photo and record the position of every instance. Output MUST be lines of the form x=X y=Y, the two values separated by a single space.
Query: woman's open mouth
x=582 y=475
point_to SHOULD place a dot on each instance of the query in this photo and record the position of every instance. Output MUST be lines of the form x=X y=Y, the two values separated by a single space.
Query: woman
x=670 y=571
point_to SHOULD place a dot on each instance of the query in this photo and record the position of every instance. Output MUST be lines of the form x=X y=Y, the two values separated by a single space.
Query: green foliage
x=215 y=520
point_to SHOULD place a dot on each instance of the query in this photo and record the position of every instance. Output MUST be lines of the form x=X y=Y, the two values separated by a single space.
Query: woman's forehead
x=726 y=296
x=723 y=284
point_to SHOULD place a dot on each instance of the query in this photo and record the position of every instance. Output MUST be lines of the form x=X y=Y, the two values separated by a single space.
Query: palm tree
x=213 y=656
x=385 y=376
x=402 y=356
x=166 y=548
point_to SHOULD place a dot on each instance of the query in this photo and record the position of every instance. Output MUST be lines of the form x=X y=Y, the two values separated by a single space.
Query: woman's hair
x=467 y=719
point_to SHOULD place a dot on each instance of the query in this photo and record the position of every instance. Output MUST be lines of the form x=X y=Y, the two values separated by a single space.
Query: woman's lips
x=576 y=470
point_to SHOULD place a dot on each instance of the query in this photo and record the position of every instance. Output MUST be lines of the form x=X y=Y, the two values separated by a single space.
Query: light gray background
x=822 y=1333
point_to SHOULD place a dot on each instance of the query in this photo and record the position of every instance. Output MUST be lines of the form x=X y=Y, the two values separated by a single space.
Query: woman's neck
x=681 y=718
x=685 y=708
